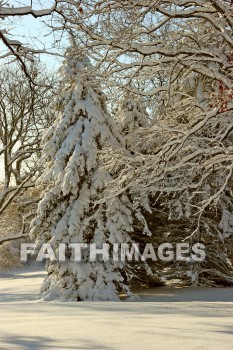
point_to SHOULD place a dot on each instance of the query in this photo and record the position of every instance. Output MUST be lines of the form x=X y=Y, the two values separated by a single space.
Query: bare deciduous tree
x=24 y=114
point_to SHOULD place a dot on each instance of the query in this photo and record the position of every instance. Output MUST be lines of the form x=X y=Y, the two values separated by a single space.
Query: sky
x=34 y=32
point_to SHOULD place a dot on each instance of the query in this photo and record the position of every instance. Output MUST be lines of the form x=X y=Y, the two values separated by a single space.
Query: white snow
x=164 y=318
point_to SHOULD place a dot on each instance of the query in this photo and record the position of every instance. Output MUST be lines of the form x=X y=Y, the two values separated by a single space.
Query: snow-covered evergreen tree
x=69 y=211
x=131 y=116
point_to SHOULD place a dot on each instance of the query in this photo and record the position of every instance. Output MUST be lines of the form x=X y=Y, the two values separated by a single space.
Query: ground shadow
x=44 y=343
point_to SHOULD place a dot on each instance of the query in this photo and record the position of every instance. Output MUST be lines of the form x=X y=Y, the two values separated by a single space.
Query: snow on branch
x=28 y=10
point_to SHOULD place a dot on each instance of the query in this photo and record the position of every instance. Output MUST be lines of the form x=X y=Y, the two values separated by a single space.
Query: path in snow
x=165 y=318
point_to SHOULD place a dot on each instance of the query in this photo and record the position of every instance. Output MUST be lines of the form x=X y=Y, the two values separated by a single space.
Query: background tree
x=131 y=115
x=24 y=115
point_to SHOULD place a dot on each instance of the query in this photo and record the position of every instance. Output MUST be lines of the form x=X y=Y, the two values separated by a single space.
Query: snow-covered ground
x=164 y=318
